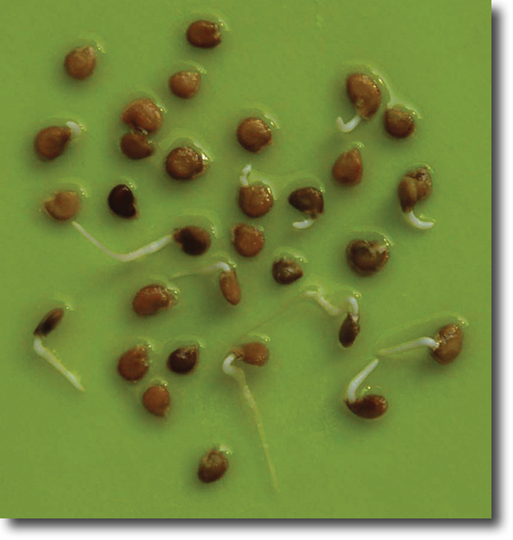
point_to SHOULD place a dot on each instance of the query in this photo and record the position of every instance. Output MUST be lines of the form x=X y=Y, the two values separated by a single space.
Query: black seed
x=369 y=407
x=364 y=93
x=348 y=332
x=254 y=353
x=49 y=322
x=183 y=360
x=286 y=271
x=122 y=201
x=193 y=240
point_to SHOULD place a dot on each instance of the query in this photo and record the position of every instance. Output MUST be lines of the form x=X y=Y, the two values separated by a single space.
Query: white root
x=352 y=124
x=359 y=379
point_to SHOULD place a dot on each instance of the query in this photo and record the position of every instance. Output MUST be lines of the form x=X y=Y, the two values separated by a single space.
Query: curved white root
x=74 y=127
x=222 y=266
x=354 y=309
x=352 y=124
x=43 y=352
x=238 y=374
x=410 y=345
x=305 y=224
x=412 y=219
x=328 y=307
x=358 y=380
x=244 y=175
x=125 y=257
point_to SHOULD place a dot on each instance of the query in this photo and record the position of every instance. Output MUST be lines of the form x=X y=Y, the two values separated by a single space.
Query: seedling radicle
x=369 y=406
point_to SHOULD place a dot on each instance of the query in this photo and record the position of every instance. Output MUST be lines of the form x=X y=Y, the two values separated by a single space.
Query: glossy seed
x=143 y=115
x=414 y=187
x=248 y=240
x=369 y=407
x=184 y=359
x=136 y=146
x=63 y=205
x=156 y=400
x=399 y=123
x=349 y=331
x=152 y=299
x=80 y=62
x=348 y=168
x=366 y=258
x=133 y=364
x=254 y=134
x=121 y=201
x=184 y=163
x=364 y=94
x=230 y=287
x=212 y=466
x=51 y=142
x=286 y=271
x=254 y=353
x=204 y=34
x=450 y=343
x=185 y=84
x=193 y=240
x=49 y=322
x=308 y=200
x=255 y=200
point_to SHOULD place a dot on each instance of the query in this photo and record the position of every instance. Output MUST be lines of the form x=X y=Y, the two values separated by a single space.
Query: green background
x=99 y=454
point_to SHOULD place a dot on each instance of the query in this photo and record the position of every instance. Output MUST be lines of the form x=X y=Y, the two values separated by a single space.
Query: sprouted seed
x=63 y=205
x=47 y=324
x=370 y=406
x=238 y=374
x=256 y=199
x=193 y=240
x=413 y=188
x=350 y=328
x=121 y=201
x=365 y=96
x=286 y=271
x=310 y=201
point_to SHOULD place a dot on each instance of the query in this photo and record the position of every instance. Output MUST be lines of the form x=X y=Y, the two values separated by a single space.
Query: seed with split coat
x=414 y=187
x=364 y=93
x=143 y=115
x=63 y=205
x=450 y=343
x=230 y=287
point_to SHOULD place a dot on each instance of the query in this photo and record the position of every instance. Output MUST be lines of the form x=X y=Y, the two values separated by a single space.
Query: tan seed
x=51 y=142
x=133 y=364
x=63 y=205
x=80 y=62
x=136 y=146
x=414 y=187
x=254 y=353
x=254 y=134
x=185 y=84
x=348 y=168
x=248 y=240
x=230 y=287
x=364 y=93
x=450 y=343
x=156 y=400
x=143 y=115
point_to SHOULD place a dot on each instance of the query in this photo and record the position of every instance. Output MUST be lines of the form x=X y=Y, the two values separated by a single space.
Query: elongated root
x=410 y=345
x=412 y=219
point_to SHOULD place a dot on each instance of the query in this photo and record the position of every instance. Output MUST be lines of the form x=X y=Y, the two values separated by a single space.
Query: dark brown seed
x=156 y=400
x=80 y=62
x=248 y=240
x=255 y=200
x=204 y=34
x=133 y=364
x=51 y=142
x=122 y=201
x=152 y=299
x=399 y=122
x=349 y=331
x=183 y=360
x=364 y=93
x=136 y=146
x=348 y=168
x=286 y=271
x=254 y=134
x=143 y=115
x=185 y=84
x=230 y=287
x=184 y=163
x=49 y=322
x=63 y=205
x=308 y=200
x=450 y=343
x=193 y=240
x=366 y=258
x=414 y=187
x=254 y=353
x=212 y=466
x=369 y=407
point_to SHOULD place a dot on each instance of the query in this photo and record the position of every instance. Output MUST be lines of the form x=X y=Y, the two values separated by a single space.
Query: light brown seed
x=248 y=240
x=212 y=466
x=255 y=200
x=286 y=271
x=122 y=202
x=254 y=353
x=136 y=146
x=414 y=187
x=349 y=331
x=156 y=400
x=204 y=34
x=185 y=84
x=450 y=343
x=367 y=257
x=80 y=62
x=133 y=364
x=143 y=115
x=348 y=169
x=151 y=299
x=364 y=93
x=193 y=240
x=63 y=205
x=308 y=200
x=51 y=142
x=184 y=163
x=184 y=359
x=230 y=287
x=254 y=134
x=49 y=322
x=369 y=407
x=399 y=123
